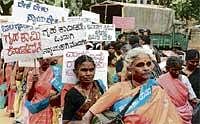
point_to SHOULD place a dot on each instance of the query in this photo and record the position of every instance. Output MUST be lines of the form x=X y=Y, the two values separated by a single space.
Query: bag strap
x=121 y=114
x=101 y=86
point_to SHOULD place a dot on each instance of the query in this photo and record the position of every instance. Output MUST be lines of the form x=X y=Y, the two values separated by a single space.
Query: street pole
x=105 y=17
x=63 y=2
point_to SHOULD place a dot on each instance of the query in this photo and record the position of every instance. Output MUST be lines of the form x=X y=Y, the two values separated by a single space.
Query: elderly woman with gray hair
x=150 y=103
x=178 y=88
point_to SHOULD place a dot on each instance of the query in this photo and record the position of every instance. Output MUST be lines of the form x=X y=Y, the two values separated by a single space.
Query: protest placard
x=124 y=22
x=78 y=19
x=29 y=63
x=94 y=17
x=14 y=26
x=2 y=53
x=36 y=14
x=100 y=32
x=101 y=60
x=58 y=37
x=21 y=45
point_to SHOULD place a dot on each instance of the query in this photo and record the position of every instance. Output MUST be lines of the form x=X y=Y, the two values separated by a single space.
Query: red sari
x=178 y=93
x=42 y=91
x=10 y=82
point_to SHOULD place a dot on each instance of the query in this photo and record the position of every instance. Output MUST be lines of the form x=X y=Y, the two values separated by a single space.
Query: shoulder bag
x=110 y=117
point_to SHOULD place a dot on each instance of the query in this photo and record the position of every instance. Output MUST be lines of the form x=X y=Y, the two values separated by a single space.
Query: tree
x=186 y=9
x=195 y=9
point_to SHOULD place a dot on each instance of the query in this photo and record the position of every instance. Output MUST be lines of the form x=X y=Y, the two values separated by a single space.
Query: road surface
x=4 y=117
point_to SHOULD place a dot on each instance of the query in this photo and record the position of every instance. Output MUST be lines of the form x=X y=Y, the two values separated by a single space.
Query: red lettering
x=11 y=38
x=24 y=37
x=26 y=49
x=10 y=51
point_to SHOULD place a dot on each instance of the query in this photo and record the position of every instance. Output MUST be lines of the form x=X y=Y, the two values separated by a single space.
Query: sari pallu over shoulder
x=178 y=94
x=43 y=103
x=156 y=109
x=42 y=91
x=145 y=94
x=48 y=80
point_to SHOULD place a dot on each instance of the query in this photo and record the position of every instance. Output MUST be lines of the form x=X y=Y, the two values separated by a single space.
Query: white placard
x=85 y=20
x=28 y=63
x=36 y=14
x=58 y=37
x=101 y=60
x=100 y=32
x=21 y=45
x=7 y=27
x=93 y=16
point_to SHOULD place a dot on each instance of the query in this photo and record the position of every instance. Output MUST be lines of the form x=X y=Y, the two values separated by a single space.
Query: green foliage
x=186 y=9
x=195 y=9
x=182 y=8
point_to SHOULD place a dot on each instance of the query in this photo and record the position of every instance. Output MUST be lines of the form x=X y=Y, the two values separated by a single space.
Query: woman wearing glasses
x=152 y=106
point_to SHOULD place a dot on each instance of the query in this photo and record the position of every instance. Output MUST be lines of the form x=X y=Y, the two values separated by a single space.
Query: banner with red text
x=99 y=56
x=21 y=45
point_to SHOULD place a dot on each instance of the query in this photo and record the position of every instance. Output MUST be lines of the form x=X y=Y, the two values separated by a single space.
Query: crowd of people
x=158 y=95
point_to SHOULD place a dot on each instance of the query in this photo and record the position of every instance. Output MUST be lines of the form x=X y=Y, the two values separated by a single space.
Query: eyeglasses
x=142 y=64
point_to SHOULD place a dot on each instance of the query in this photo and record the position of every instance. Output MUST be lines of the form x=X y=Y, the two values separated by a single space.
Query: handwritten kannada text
x=25 y=49
x=36 y=7
x=62 y=29
x=62 y=47
x=21 y=37
x=19 y=27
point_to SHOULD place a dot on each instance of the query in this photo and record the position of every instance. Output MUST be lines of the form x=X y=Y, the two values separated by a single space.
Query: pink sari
x=42 y=91
x=178 y=93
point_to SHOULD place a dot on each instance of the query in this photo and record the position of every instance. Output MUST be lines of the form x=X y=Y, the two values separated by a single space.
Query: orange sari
x=178 y=93
x=158 y=110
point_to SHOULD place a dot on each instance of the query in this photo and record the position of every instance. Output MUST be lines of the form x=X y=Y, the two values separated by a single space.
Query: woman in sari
x=87 y=90
x=10 y=72
x=177 y=89
x=3 y=86
x=19 y=93
x=41 y=92
x=152 y=106
x=111 y=75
